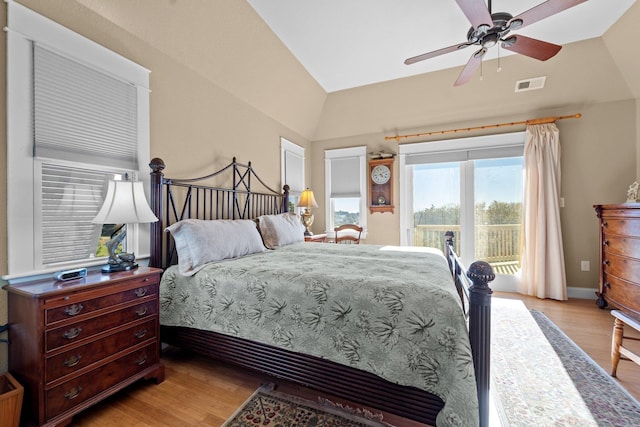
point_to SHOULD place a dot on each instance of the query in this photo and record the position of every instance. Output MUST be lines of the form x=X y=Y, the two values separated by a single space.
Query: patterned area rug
x=267 y=407
x=539 y=377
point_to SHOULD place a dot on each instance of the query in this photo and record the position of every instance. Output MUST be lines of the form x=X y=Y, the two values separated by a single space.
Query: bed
x=374 y=333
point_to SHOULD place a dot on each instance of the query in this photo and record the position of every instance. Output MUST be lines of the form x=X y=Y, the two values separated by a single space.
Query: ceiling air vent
x=530 y=84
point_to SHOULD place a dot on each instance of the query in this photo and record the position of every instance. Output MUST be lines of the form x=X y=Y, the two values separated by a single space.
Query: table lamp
x=124 y=204
x=307 y=201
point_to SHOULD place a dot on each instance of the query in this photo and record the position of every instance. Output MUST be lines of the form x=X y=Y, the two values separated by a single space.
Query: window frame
x=24 y=28
x=289 y=148
x=338 y=154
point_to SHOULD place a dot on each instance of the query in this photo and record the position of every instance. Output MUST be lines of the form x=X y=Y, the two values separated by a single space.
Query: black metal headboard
x=173 y=200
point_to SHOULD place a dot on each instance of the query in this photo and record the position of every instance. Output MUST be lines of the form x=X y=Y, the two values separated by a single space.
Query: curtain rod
x=540 y=121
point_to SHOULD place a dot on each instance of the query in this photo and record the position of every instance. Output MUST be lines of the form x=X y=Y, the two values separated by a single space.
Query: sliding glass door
x=476 y=192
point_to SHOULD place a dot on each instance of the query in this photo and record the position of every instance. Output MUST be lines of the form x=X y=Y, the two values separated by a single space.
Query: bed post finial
x=481 y=274
x=155 y=197
x=285 y=198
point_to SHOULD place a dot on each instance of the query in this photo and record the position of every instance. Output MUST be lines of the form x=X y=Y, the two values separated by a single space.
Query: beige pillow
x=201 y=241
x=281 y=230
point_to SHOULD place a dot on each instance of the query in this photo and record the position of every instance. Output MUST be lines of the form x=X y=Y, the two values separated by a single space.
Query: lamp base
x=307 y=221
x=123 y=266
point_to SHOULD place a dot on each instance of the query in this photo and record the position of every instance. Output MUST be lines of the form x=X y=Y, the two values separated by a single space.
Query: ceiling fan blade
x=534 y=48
x=470 y=68
x=476 y=12
x=541 y=11
x=435 y=53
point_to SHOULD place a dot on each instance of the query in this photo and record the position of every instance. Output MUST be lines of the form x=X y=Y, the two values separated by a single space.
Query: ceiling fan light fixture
x=509 y=41
x=514 y=24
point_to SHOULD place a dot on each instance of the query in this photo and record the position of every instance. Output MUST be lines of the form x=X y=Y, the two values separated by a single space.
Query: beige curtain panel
x=543 y=272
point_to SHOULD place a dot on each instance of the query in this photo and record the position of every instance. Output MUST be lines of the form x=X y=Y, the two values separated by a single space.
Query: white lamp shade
x=125 y=203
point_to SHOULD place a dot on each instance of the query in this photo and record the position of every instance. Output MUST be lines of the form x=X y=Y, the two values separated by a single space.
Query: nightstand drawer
x=77 y=358
x=84 y=330
x=70 y=307
x=75 y=391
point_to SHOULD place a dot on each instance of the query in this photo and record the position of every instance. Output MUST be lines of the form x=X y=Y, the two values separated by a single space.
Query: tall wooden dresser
x=620 y=257
x=75 y=343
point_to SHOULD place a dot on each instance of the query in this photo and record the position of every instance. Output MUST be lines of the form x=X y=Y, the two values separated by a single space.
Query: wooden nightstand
x=318 y=238
x=75 y=343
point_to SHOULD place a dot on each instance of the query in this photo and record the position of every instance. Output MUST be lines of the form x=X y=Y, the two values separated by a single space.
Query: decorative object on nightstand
x=307 y=201
x=124 y=204
x=632 y=192
x=381 y=184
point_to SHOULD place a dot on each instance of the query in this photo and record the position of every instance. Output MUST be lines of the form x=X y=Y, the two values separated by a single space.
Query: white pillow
x=281 y=230
x=201 y=241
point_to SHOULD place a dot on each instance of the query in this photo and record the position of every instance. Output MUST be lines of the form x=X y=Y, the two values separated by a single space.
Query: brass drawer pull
x=605 y=224
x=72 y=333
x=605 y=243
x=73 y=393
x=141 y=333
x=72 y=361
x=607 y=285
x=606 y=262
x=73 y=310
x=141 y=360
x=140 y=292
x=142 y=311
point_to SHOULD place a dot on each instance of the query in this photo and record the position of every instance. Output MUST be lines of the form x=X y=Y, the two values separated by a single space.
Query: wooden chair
x=352 y=234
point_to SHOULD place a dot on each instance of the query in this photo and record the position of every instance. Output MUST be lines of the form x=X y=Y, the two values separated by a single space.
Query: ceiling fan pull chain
x=499 y=65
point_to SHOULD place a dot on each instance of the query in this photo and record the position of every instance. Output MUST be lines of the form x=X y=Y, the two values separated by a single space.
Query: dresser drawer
x=621 y=226
x=80 y=331
x=65 y=307
x=621 y=267
x=622 y=294
x=77 y=390
x=77 y=358
x=618 y=245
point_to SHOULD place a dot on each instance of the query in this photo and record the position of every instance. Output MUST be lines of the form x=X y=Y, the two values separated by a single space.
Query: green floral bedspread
x=387 y=310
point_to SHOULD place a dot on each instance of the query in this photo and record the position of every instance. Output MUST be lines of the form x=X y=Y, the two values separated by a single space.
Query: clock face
x=380 y=174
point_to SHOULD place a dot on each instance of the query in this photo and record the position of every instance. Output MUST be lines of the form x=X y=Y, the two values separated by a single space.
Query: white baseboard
x=572 y=292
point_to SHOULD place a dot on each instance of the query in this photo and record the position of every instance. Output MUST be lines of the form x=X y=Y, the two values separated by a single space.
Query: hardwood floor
x=201 y=392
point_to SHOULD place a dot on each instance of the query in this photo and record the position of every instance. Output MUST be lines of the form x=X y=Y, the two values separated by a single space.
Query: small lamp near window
x=307 y=201
x=124 y=204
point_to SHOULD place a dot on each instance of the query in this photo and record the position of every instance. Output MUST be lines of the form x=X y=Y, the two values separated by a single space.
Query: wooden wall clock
x=381 y=185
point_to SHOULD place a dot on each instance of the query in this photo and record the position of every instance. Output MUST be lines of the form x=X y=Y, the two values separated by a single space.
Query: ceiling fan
x=489 y=29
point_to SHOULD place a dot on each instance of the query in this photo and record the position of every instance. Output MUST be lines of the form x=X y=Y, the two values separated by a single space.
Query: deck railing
x=494 y=243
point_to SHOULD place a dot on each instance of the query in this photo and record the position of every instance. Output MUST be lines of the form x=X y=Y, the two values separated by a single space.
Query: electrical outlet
x=585 y=266
x=562 y=202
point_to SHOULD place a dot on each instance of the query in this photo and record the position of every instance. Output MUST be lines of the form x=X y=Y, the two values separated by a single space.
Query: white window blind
x=464 y=155
x=345 y=177
x=81 y=114
x=294 y=170
x=71 y=197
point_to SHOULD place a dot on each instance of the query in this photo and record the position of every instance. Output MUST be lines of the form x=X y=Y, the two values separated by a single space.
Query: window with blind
x=345 y=187
x=80 y=116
